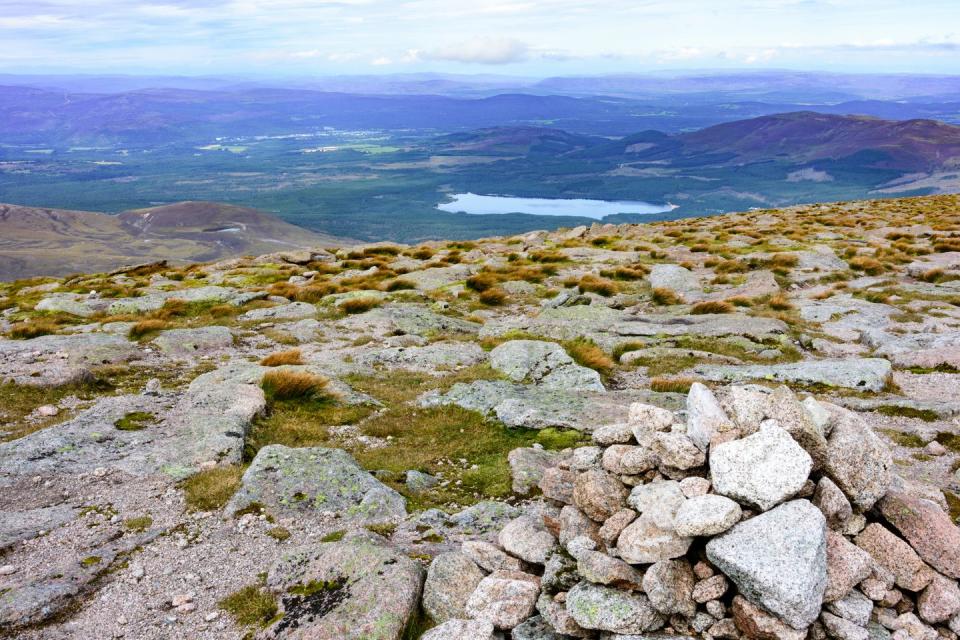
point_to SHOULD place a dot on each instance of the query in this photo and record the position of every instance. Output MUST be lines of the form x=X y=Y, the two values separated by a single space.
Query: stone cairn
x=750 y=515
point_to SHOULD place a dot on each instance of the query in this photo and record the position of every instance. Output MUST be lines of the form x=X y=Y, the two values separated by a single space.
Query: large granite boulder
x=354 y=589
x=778 y=560
x=312 y=482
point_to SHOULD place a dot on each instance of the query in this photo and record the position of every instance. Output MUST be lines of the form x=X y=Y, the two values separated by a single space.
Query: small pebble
x=48 y=410
x=7 y=570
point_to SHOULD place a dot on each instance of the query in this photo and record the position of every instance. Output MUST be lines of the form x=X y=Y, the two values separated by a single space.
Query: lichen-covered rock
x=854 y=607
x=306 y=482
x=599 y=494
x=461 y=630
x=557 y=621
x=291 y=311
x=832 y=503
x=669 y=586
x=706 y=515
x=608 y=609
x=489 y=557
x=927 y=528
x=778 y=560
x=862 y=374
x=676 y=450
x=756 y=623
x=528 y=539
x=658 y=501
x=784 y=408
x=706 y=419
x=527 y=466
x=761 y=470
x=857 y=460
x=354 y=589
x=543 y=363
x=599 y=568
x=185 y=342
x=451 y=580
x=643 y=542
x=895 y=555
x=940 y=601
x=847 y=566
x=504 y=598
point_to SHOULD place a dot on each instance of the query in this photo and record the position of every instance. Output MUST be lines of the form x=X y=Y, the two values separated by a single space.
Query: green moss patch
x=135 y=421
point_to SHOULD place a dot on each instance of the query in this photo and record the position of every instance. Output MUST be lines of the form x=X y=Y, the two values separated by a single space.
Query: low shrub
x=146 y=328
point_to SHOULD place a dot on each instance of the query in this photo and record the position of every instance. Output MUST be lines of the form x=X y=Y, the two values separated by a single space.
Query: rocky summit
x=733 y=427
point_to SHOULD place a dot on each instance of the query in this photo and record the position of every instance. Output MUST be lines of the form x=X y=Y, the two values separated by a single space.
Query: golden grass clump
x=399 y=284
x=784 y=260
x=284 y=384
x=663 y=384
x=359 y=305
x=482 y=281
x=596 y=284
x=665 y=297
x=32 y=329
x=316 y=292
x=780 y=302
x=712 y=306
x=291 y=356
x=147 y=327
x=493 y=297
x=870 y=266
x=588 y=354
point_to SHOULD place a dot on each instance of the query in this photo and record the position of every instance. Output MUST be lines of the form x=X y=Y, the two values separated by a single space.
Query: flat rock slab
x=546 y=364
x=564 y=323
x=56 y=360
x=778 y=560
x=411 y=319
x=675 y=278
x=156 y=300
x=534 y=407
x=207 y=423
x=354 y=589
x=313 y=482
x=437 y=358
x=186 y=342
x=438 y=277
x=292 y=311
x=708 y=325
x=862 y=374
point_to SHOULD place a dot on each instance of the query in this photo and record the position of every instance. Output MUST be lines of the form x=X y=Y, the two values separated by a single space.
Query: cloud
x=481 y=51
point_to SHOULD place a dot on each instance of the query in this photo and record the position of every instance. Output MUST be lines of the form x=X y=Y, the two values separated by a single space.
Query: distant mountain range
x=37 y=241
x=796 y=138
x=83 y=111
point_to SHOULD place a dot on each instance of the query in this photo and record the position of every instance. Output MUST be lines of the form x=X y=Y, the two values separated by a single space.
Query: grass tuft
x=284 y=384
x=291 y=357
x=251 y=606
x=671 y=385
x=713 y=306
x=665 y=297
x=212 y=488
x=359 y=305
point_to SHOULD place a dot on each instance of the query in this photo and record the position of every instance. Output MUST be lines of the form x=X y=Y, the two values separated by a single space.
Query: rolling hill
x=38 y=241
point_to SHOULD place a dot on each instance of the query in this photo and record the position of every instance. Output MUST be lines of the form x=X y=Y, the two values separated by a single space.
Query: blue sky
x=514 y=37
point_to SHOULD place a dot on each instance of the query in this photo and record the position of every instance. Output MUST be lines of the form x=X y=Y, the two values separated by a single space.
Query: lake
x=597 y=209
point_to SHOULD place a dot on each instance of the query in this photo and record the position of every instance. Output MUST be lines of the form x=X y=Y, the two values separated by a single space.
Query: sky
x=532 y=38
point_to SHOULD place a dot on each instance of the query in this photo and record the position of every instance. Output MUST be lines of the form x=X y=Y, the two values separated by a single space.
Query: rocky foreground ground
x=740 y=426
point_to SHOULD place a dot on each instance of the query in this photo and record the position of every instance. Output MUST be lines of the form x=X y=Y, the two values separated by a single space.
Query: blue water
x=597 y=209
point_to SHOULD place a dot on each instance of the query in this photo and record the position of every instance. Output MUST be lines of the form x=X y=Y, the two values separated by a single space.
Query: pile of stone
x=751 y=514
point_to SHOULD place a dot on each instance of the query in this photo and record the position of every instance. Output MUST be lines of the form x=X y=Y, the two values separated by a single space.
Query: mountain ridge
x=52 y=242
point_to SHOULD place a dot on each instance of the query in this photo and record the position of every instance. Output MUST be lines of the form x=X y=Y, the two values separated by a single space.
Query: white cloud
x=482 y=51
